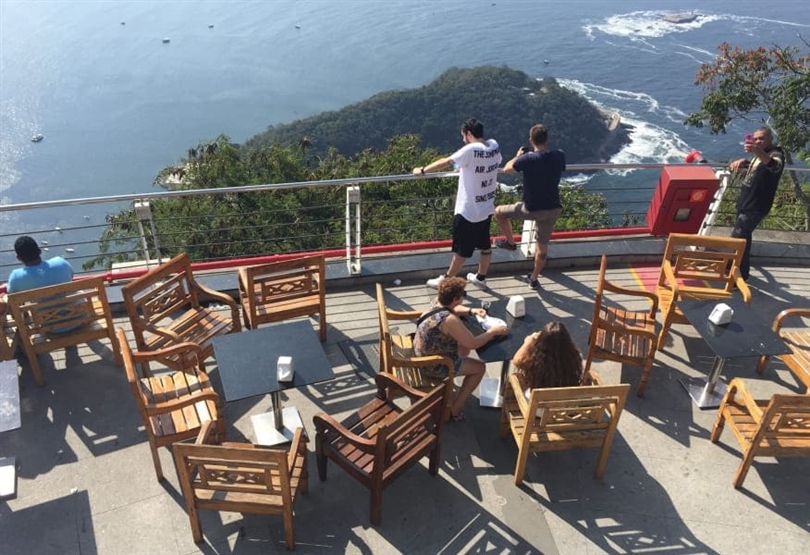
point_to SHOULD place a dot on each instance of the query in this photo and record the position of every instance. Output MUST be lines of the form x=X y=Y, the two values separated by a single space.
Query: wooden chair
x=173 y=405
x=241 y=478
x=798 y=341
x=380 y=441
x=779 y=427
x=280 y=290
x=622 y=335
x=59 y=316
x=558 y=418
x=165 y=309
x=398 y=359
x=698 y=267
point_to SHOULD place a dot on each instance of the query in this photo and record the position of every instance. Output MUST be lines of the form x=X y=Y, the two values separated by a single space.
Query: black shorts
x=468 y=236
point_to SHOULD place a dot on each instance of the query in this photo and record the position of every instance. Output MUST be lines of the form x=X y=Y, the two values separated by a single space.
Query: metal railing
x=356 y=223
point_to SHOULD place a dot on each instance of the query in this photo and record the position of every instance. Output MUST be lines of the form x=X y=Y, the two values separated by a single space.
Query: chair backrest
x=401 y=439
x=703 y=262
x=385 y=333
x=159 y=293
x=278 y=290
x=579 y=416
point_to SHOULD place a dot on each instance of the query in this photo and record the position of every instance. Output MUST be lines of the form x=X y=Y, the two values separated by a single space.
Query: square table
x=503 y=348
x=747 y=335
x=247 y=367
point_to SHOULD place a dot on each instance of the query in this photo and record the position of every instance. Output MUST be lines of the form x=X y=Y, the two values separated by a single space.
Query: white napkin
x=489 y=322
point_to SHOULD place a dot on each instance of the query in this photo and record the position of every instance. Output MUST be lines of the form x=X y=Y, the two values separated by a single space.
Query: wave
x=649 y=143
x=642 y=25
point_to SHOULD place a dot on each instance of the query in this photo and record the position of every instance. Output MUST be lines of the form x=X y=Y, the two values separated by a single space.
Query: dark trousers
x=744 y=227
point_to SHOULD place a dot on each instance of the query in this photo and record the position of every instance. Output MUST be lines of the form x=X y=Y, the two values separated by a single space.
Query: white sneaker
x=434 y=283
x=479 y=283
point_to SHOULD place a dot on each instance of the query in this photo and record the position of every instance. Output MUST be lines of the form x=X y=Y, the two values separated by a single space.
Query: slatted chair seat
x=560 y=418
x=239 y=477
x=779 y=427
x=59 y=316
x=621 y=335
x=380 y=441
x=165 y=309
x=397 y=355
x=173 y=405
x=278 y=291
x=700 y=267
x=798 y=341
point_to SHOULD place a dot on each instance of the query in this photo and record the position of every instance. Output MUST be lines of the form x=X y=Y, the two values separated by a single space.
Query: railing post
x=527 y=243
x=353 y=224
x=143 y=212
x=711 y=214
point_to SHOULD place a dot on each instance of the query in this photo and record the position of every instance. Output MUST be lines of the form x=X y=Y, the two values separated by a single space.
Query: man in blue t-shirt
x=541 y=169
x=36 y=272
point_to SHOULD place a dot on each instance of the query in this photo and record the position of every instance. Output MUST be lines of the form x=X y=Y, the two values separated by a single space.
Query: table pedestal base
x=490 y=394
x=697 y=389
x=264 y=427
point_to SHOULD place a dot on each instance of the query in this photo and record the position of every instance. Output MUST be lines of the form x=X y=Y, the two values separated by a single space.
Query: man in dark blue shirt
x=541 y=169
x=758 y=189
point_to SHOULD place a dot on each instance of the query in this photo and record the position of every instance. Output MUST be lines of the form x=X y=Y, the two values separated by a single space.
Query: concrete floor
x=87 y=485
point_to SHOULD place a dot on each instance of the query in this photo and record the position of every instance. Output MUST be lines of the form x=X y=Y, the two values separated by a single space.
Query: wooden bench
x=277 y=291
x=697 y=267
x=779 y=427
x=241 y=478
x=59 y=316
x=380 y=440
x=798 y=341
x=558 y=418
x=165 y=308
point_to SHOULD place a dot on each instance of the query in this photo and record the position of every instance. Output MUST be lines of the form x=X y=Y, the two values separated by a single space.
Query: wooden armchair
x=279 y=290
x=776 y=428
x=59 y=316
x=173 y=405
x=242 y=478
x=165 y=309
x=698 y=267
x=622 y=335
x=398 y=359
x=798 y=341
x=558 y=418
x=380 y=441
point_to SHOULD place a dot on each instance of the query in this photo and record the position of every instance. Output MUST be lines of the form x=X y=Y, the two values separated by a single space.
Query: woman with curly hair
x=549 y=358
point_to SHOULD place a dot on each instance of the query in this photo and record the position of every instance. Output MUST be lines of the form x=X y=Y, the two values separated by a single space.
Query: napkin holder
x=516 y=306
x=721 y=314
x=284 y=369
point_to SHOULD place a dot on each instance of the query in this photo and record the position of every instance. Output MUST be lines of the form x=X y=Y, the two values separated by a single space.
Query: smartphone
x=749 y=138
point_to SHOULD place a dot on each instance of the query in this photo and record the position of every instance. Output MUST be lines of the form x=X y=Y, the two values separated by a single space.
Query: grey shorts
x=545 y=219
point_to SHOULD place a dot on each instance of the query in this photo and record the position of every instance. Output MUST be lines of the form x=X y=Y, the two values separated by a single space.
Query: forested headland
x=388 y=134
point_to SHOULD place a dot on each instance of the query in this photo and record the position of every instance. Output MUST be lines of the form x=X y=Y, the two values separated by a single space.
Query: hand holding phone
x=749 y=138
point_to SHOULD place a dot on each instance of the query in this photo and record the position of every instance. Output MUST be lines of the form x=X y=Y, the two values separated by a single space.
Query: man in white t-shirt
x=477 y=161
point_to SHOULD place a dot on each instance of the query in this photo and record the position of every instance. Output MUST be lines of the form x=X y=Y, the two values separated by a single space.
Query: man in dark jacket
x=758 y=189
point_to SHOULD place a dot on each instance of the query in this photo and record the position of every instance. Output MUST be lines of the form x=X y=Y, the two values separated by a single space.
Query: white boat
x=167 y=40
x=69 y=249
x=36 y=138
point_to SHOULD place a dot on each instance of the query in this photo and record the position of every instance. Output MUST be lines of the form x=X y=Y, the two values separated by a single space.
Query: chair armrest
x=214 y=294
x=145 y=356
x=323 y=422
x=737 y=386
x=298 y=447
x=652 y=297
x=741 y=285
x=592 y=378
x=206 y=435
x=517 y=391
x=787 y=313
x=385 y=380
x=627 y=328
x=403 y=314
x=672 y=281
x=163 y=407
x=151 y=328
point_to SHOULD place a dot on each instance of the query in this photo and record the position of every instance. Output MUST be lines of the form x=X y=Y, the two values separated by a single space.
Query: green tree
x=764 y=85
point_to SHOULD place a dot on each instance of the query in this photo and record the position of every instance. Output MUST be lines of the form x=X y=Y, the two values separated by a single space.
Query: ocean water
x=116 y=104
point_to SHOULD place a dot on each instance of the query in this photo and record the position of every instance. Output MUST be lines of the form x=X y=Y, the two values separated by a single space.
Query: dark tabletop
x=505 y=347
x=247 y=360
x=747 y=335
